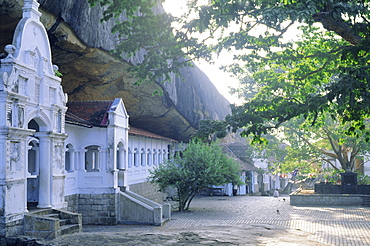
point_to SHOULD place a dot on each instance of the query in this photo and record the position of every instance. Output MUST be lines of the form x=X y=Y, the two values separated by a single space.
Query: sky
x=219 y=78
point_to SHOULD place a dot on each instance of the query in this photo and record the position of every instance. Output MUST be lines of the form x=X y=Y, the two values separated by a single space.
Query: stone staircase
x=366 y=201
x=136 y=209
x=51 y=223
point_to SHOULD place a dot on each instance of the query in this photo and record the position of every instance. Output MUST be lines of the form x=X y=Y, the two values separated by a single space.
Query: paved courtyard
x=240 y=220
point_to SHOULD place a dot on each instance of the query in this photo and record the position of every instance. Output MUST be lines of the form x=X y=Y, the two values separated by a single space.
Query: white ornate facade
x=32 y=109
x=50 y=163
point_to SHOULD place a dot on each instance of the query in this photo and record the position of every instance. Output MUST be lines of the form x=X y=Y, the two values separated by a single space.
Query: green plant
x=57 y=73
x=333 y=176
x=363 y=179
x=260 y=171
x=201 y=166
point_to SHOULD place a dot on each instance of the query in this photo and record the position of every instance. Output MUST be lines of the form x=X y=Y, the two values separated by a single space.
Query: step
x=39 y=221
x=41 y=212
x=63 y=222
x=52 y=215
x=70 y=228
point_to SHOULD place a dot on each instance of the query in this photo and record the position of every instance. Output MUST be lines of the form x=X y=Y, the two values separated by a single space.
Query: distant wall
x=297 y=199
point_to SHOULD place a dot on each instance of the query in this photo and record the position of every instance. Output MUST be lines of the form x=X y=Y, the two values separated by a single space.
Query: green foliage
x=300 y=146
x=318 y=73
x=333 y=176
x=57 y=73
x=260 y=171
x=326 y=69
x=209 y=129
x=363 y=179
x=327 y=140
x=200 y=167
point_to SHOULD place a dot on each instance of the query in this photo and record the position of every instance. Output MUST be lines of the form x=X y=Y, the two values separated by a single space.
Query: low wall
x=322 y=188
x=148 y=190
x=307 y=198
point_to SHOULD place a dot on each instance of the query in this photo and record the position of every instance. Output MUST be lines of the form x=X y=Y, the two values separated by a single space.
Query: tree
x=325 y=70
x=200 y=166
x=325 y=141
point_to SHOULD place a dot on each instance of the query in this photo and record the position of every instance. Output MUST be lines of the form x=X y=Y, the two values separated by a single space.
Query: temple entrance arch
x=36 y=186
x=33 y=165
x=33 y=170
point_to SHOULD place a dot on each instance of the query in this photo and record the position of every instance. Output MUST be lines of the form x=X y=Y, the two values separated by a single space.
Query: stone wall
x=14 y=227
x=72 y=202
x=297 y=199
x=96 y=209
x=149 y=191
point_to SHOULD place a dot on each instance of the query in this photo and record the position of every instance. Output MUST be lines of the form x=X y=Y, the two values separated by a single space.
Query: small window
x=154 y=157
x=68 y=158
x=33 y=152
x=159 y=157
x=136 y=157
x=92 y=158
x=121 y=155
x=149 y=157
x=164 y=155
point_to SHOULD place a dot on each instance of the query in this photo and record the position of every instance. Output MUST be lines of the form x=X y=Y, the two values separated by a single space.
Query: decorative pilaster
x=45 y=171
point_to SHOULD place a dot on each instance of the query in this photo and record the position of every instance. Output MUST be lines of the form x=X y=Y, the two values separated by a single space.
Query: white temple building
x=86 y=160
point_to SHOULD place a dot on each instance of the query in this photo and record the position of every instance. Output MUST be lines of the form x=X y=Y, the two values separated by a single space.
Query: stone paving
x=326 y=225
x=240 y=221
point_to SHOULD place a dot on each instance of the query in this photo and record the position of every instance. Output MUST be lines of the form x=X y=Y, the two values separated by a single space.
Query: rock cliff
x=80 y=44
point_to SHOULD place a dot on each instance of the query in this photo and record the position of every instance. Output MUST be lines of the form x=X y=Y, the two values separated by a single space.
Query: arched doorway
x=33 y=170
x=38 y=178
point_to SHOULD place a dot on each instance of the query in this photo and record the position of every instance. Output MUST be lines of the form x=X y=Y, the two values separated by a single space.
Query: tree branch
x=340 y=27
x=328 y=161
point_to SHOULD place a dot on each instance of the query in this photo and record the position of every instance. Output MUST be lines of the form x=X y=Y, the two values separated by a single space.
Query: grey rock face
x=80 y=45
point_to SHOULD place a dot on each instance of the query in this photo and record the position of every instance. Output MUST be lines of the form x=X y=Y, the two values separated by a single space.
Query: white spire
x=30 y=9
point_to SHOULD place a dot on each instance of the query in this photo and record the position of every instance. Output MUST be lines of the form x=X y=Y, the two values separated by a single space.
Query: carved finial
x=30 y=9
x=10 y=49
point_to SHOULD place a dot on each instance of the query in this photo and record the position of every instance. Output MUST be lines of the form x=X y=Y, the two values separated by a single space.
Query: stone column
x=45 y=170
x=81 y=159
x=103 y=164
x=37 y=160
x=28 y=163
x=71 y=160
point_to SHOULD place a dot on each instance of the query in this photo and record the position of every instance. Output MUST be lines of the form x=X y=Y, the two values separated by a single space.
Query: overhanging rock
x=79 y=47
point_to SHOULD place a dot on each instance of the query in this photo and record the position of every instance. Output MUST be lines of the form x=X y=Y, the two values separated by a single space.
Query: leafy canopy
x=325 y=70
x=300 y=146
x=200 y=166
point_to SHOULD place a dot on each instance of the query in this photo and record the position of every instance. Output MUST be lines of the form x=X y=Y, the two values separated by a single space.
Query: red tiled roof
x=93 y=113
x=143 y=133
